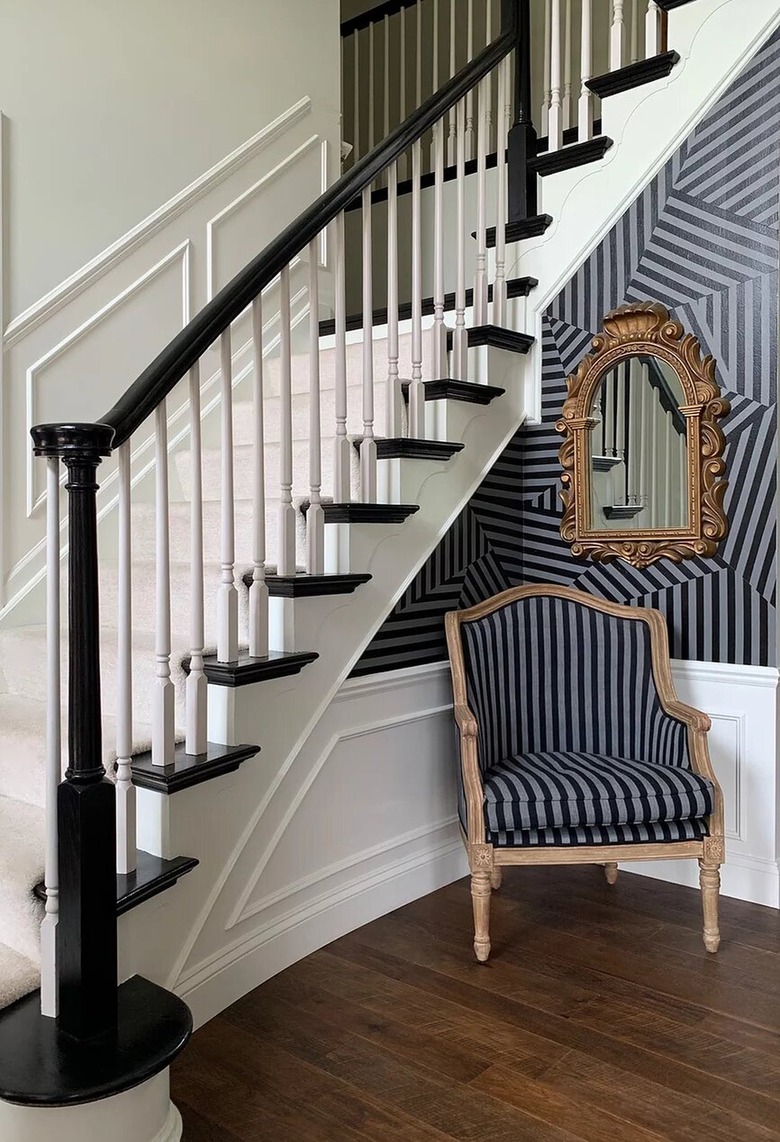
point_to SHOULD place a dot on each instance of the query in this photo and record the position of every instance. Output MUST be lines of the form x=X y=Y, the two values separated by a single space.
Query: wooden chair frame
x=486 y=860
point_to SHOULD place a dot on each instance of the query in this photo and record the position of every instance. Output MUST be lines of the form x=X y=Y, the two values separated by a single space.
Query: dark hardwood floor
x=599 y=1018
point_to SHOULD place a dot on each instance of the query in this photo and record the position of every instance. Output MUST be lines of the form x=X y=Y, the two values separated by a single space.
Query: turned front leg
x=480 y=896
x=709 y=879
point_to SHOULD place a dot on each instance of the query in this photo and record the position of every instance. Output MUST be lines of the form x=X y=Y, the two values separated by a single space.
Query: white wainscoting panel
x=370 y=825
x=73 y=353
x=742 y=702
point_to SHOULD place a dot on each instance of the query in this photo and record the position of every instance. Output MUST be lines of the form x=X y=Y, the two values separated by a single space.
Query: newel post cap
x=64 y=440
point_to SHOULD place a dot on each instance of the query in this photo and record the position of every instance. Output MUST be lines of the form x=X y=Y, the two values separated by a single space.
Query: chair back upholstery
x=547 y=673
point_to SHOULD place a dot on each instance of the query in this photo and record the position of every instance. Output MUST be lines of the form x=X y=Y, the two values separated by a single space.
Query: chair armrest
x=465 y=721
x=694 y=719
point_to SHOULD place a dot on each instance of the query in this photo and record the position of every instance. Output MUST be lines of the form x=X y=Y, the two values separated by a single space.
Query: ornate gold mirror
x=643 y=453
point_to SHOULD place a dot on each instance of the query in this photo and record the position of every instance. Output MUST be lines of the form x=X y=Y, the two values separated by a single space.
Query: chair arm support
x=465 y=721
x=694 y=719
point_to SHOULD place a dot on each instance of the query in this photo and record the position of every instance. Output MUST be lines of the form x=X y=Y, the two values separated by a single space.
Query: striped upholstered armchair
x=574 y=747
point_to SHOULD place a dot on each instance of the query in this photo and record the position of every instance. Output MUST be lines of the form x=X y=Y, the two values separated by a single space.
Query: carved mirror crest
x=643 y=453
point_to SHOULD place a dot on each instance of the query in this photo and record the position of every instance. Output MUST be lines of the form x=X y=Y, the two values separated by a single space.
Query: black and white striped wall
x=703 y=240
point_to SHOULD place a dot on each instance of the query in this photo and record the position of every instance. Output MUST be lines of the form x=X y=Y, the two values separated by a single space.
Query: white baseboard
x=305 y=929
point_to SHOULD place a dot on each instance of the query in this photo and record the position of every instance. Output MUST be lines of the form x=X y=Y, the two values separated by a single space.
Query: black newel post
x=86 y=930
x=522 y=134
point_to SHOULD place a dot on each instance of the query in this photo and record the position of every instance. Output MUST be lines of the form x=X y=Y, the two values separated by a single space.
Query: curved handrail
x=187 y=347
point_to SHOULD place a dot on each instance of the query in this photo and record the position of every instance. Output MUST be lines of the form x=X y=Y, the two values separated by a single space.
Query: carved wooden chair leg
x=496 y=877
x=709 y=878
x=480 y=895
x=611 y=872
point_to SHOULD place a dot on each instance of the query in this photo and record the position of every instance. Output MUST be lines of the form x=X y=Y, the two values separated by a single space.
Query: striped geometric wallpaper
x=703 y=240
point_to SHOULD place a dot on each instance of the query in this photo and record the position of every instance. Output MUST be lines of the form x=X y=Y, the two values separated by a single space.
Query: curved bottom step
x=42 y=1066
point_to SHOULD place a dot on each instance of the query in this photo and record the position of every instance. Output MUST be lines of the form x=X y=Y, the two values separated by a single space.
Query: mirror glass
x=637 y=448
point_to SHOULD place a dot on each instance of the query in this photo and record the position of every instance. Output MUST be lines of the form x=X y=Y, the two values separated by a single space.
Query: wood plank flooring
x=599 y=1018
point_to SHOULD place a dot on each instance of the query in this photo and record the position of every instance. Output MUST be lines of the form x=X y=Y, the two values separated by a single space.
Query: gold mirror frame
x=647 y=328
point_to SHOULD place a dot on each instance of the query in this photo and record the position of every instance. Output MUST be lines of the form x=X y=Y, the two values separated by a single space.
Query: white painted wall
x=112 y=108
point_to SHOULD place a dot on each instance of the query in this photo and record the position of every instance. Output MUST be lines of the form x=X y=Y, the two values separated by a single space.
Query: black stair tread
x=497 y=337
x=469 y=392
x=516 y=231
x=410 y=448
x=44 y=1067
x=669 y=5
x=152 y=876
x=574 y=155
x=515 y=287
x=368 y=513
x=303 y=586
x=245 y=671
x=188 y=769
x=633 y=75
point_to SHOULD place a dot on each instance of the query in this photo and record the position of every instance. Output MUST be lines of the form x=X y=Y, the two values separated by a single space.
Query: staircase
x=242 y=574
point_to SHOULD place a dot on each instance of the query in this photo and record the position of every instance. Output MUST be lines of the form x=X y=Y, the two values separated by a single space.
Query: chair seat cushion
x=657 y=832
x=584 y=790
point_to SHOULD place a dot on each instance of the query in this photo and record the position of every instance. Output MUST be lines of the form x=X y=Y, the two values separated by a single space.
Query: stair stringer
x=233 y=826
x=716 y=39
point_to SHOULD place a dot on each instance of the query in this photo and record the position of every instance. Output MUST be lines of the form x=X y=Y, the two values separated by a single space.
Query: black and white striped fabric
x=659 y=832
x=574 y=745
x=569 y=790
x=549 y=675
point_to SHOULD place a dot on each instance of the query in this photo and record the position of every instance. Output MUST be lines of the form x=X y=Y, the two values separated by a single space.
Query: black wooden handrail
x=186 y=349
x=374 y=15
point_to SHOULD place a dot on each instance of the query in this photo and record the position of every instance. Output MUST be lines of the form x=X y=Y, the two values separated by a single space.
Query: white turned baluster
x=634 y=51
x=505 y=121
x=164 y=697
x=401 y=171
x=258 y=592
x=470 y=96
x=545 y=116
x=435 y=77
x=453 y=132
x=555 y=124
x=356 y=97
x=368 y=467
x=386 y=76
x=125 y=790
x=566 y=103
x=419 y=56
x=460 y=336
x=653 y=30
x=617 y=36
x=371 y=86
x=53 y=741
x=227 y=596
x=585 y=115
x=315 y=517
x=286 y=544
x=480 y=280
x=342 y=488
x=439 y=328
x=489 y=78
x=393 y=386
x=197 y=687
x=416 y=388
